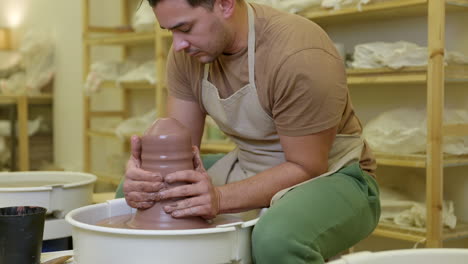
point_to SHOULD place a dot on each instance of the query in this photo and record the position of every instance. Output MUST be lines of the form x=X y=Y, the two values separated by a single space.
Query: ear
x=225 y=7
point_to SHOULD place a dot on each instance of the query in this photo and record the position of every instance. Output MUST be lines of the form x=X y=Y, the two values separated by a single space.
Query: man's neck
x=240 y=29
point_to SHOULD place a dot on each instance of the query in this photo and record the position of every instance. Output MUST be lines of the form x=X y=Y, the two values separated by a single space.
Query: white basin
x=96 y=244
x=58 y=191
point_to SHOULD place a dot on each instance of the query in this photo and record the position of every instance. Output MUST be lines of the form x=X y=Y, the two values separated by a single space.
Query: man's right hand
x=140 y=187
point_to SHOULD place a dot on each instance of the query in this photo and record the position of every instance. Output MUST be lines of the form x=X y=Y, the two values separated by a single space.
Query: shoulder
x=289 y=41
x=289 y=33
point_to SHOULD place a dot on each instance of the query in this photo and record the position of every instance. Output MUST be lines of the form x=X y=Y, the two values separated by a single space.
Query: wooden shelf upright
x=106 y=36
x=22 y=103
x=436 y=76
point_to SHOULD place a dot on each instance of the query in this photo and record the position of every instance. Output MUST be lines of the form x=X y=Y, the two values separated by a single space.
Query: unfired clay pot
x=166 y=148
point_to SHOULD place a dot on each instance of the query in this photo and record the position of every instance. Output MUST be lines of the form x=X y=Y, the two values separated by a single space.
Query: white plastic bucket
x=98 y=244
x=407 y=256
x=58 y=191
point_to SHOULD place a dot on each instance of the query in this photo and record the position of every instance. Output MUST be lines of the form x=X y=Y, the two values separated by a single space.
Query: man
x=275 y=84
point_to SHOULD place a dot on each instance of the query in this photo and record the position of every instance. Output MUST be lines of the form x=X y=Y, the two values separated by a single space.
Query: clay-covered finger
x=140 y=205
x=181 y=191
x=136 y=174
x=135 y=142
x=183 y=204
x=197 y=161
x=191 y=211
x=142 y=197
x=140 y=186
x=135 y=157
x=183 y=176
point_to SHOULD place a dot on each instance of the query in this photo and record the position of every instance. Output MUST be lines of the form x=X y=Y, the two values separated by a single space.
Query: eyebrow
x=176 y=26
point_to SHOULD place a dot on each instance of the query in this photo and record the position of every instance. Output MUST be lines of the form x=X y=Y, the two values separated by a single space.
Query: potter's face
x=198 y=31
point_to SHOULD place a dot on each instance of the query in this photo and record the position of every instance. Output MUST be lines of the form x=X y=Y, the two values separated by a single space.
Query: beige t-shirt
x=300 y=78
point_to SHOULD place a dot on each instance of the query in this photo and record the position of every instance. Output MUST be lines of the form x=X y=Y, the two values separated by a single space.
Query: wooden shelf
x=381 y=9
x=124 y=30
x=414 y=234
x=33 y=99
x=407 y=75
x=138 y=85
x=107 y=178
x=103 y=197
x=109 y=134
x=459 y=130
x=22 y=103
x=124 y=39
x=127 y=38
x=417 y=160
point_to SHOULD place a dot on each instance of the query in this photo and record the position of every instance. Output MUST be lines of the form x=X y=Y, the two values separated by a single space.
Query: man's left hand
x=201 y=197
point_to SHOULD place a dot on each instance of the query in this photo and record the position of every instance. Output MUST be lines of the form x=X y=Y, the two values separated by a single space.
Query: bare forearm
x=257 y=191
x=189 y=114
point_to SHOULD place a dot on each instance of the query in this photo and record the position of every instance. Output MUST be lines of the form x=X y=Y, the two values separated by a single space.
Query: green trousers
x=319 y=219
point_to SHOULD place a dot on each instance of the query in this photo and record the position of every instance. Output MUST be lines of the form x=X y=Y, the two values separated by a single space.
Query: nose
x=178 y=42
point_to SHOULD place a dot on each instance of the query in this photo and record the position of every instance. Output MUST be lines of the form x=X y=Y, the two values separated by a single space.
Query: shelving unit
x=22 y=104
x=108 y=36
x=381 y=9
x=436 y=76
x=407 y=75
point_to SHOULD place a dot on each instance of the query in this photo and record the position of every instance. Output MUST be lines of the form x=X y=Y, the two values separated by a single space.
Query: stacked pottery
x=166 y=148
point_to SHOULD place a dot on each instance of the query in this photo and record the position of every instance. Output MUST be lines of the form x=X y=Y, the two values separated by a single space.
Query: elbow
x=313 y=169
x=318 y=169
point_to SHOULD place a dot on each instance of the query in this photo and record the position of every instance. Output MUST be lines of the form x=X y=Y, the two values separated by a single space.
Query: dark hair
x=193 y=3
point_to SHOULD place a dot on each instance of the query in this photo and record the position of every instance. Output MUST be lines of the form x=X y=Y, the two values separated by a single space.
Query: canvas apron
x=242 y=118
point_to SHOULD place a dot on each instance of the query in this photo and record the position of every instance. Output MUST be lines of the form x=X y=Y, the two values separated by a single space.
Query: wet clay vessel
x=166 y=148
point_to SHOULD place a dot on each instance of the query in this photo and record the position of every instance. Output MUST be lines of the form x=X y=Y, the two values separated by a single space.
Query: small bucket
x=21 y=231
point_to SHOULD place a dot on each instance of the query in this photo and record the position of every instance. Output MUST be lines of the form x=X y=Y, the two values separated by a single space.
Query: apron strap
x=251 y=45
x=206 y=71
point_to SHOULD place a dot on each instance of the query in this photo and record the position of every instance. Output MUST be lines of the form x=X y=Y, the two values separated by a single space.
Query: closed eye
x=185 y=30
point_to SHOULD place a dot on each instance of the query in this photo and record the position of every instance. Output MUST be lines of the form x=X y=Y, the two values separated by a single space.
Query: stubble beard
x=221 y=43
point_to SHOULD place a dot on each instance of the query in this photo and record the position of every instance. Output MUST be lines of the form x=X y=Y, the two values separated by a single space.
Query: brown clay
x=121 y=221
x=166 y=148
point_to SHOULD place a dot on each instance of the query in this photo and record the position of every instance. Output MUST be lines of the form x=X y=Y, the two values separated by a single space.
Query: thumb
x=135 y=142
x=197 y=161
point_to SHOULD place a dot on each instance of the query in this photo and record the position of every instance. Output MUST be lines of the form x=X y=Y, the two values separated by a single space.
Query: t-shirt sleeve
x=310 y=93
x=178 y=76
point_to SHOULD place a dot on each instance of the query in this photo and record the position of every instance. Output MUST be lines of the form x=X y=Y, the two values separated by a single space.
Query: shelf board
x=459 y=130
x=217 y=147
x=103 y=197
x=417 y=160
x=108 y=134
x=137 y=85
x=415 y=75
x=122 y=30
x=120 y=114
x=119 y=30
x=32 y=99
x=379 y=9
x=94 y=133
x=414 y=234
x=126 y=38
